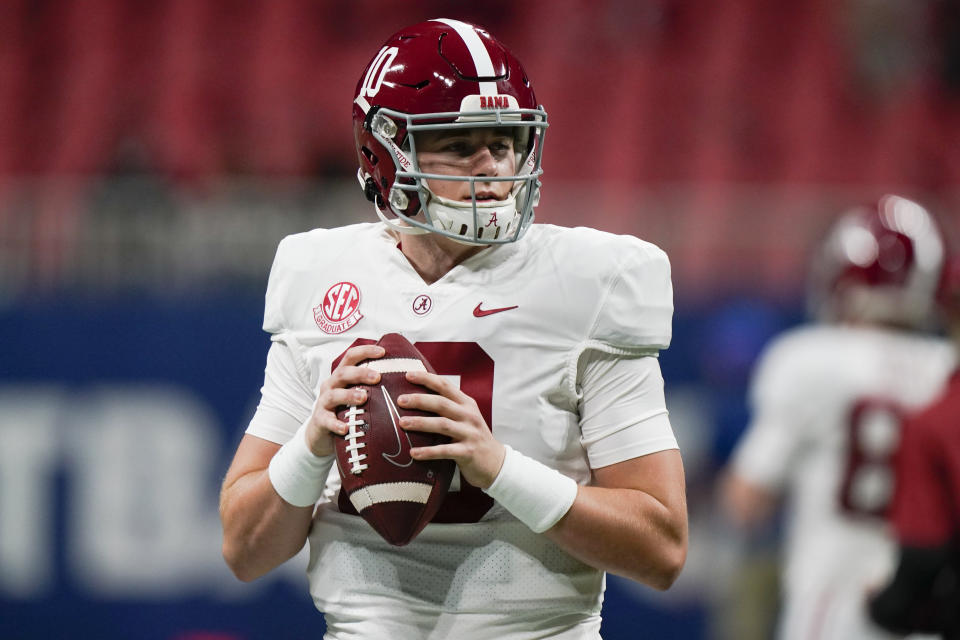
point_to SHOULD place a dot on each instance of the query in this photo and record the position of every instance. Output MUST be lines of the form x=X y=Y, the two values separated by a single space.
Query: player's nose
x=483 y=162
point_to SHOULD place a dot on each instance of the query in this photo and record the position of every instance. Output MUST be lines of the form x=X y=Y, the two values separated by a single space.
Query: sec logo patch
x=340 y=308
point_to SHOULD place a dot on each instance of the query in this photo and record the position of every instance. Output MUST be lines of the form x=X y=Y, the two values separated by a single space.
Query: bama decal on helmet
x=478 y=102
x=340 y=308
x=495 y=102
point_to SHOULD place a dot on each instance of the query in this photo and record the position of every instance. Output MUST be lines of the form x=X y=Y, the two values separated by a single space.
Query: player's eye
x=459 y=147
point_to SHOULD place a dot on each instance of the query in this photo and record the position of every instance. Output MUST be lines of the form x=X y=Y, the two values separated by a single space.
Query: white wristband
x=297 y=475
x=533 y=492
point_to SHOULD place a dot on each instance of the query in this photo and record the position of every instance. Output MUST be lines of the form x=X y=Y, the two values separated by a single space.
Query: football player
x=545 y=342
x=924 y=594
x=827 y=404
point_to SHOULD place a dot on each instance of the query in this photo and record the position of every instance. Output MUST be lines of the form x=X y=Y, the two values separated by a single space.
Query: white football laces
x=354 y=422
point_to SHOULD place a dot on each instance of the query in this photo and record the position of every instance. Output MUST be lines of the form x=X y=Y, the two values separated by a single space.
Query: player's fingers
x=334 y=398
x=437 y=452
x=346 y=375
x=436 y=383
x=434 y=424
x=353 y=355
x=320 y=427
x=324 y=416
x=433 y=403
x=330 y=423
x=474 y=465
x=461 y=409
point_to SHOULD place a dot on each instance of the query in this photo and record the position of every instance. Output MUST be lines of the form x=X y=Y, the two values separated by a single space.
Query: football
x=396 y=494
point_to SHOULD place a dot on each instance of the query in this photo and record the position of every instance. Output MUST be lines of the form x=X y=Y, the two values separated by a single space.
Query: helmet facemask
x=475 y=222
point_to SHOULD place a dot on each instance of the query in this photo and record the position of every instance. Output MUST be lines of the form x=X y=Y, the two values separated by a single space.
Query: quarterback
x=544 y=341
x=828 y=402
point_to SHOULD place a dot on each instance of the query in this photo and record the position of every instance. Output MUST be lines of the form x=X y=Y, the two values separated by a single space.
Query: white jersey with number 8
x=827 y=404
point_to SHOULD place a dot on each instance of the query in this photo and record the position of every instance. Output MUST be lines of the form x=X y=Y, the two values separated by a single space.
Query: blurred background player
x=924 y=594
x=568 y=466
x=827 y=402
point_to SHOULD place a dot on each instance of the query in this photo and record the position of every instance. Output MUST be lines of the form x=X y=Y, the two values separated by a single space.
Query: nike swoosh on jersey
x=480 y=313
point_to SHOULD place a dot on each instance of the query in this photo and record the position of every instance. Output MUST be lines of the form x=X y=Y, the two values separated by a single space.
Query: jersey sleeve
x=782 y=400
x=619 y=385
x=286 y=401
x=623 y=413
x=286 y=398
x=279 y=285
x=636 y=310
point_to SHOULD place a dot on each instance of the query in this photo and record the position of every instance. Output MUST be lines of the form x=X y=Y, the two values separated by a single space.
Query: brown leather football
x=396 y=494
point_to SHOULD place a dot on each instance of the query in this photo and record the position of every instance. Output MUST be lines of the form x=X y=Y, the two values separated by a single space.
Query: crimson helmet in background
x=445 y=74
x=880 y=263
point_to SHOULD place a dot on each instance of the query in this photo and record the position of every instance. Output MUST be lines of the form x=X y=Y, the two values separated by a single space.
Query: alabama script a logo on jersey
x=340 y=308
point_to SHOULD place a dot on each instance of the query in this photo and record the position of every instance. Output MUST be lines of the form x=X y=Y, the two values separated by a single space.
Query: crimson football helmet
x=445 y=74
x=880 y=263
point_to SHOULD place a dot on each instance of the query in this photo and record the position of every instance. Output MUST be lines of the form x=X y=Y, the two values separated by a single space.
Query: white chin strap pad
x=496 y=218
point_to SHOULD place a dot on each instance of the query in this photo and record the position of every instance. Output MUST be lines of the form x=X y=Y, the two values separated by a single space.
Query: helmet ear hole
x=369 y=155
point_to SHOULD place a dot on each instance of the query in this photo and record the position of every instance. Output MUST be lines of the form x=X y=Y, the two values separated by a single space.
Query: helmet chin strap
x=448 y=215
x=400 y=226
x=454 y=215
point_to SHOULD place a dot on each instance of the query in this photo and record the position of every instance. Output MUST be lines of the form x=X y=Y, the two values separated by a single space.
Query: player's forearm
x=747 y=504
x=626 y=532
x=260 y=530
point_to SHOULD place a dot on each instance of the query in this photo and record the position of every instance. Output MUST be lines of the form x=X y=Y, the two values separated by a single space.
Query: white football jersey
x=552 y=336
x=827 y=403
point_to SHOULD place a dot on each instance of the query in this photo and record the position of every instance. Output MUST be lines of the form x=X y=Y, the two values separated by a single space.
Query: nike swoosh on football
x=402 y=457
x=479 y=313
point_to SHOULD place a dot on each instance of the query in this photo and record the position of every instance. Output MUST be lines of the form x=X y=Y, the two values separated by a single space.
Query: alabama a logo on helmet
x=340 y=308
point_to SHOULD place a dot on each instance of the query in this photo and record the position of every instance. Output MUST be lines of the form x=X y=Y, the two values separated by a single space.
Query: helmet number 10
x=378 y=69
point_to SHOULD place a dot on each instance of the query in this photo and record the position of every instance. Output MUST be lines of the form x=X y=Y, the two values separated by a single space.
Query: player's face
x=468 y=152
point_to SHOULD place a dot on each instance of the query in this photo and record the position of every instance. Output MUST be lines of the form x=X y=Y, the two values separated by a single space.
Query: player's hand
x=473 y=447
x=334 y=393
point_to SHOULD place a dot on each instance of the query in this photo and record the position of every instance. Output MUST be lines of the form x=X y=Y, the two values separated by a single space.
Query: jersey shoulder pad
x=299 y=258
x=631 y=277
